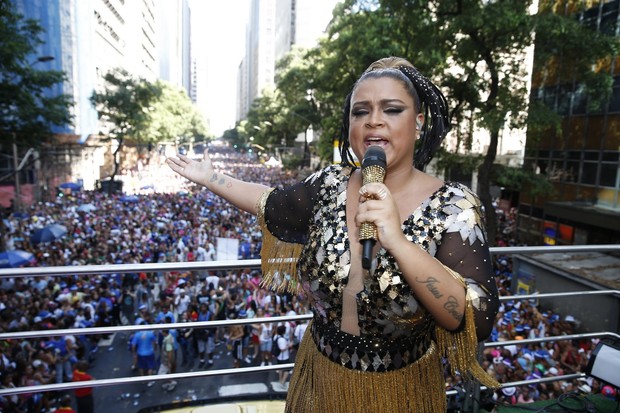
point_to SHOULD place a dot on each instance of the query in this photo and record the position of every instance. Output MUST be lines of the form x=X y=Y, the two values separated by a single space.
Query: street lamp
x=16 y=164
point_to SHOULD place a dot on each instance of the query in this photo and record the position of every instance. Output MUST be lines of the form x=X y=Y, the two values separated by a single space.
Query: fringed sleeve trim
x=460 y=347
x=278 y=258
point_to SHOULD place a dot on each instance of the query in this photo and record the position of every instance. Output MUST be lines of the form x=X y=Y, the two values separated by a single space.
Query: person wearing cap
x=76 y=296
x=507 y=395
x=181 y=302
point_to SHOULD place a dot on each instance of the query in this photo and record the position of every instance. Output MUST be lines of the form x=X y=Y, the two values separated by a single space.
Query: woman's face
x=383 y=114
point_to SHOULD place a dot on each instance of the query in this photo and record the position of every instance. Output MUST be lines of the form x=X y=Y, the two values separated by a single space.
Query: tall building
x=274 y=27
x=173 y=42
x=261 y=52
x=583 y=163
x=86 y=39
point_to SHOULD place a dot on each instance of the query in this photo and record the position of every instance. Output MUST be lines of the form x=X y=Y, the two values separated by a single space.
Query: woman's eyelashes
x=390 y=111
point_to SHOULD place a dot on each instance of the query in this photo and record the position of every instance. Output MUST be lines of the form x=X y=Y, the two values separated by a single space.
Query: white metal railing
x=254 y=264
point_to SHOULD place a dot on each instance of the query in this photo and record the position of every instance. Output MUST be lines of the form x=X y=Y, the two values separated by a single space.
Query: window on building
x=571 y=171
x=590 y=155
x=579 y=101
x=609 y=174
x=611 y=156
x=609 y=17
x=614 y=102
x=588 y=173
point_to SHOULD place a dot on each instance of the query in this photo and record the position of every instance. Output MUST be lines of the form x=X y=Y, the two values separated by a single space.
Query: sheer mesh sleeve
x=288 y=211
x=464 y=249
x=284 y=216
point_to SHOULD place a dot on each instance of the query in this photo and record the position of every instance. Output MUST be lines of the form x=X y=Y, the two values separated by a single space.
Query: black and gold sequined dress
x=394 y=364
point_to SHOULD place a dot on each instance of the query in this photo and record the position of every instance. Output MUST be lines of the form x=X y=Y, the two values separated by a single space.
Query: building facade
x=583 y=162
x=86 y=39
x=274 y=27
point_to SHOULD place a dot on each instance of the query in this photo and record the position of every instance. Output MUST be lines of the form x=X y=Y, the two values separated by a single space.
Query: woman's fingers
x=376 y=206
x=175 y=164
x=374 y=191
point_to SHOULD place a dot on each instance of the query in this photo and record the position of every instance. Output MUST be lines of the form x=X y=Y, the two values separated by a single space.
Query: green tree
x=27 y=114
x=124 y=107
x=172 y=117
x=235 y=136
x=473 y=49
x=270 y=121
x=145 y=112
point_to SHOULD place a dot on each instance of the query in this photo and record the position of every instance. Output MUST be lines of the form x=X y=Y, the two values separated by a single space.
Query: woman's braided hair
x=427 y=98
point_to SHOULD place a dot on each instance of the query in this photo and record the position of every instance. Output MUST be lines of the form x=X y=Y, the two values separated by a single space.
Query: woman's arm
x=438 y=290
x=243 y=195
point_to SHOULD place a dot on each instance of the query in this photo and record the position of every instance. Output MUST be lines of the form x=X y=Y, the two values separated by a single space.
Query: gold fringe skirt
x=319 y=385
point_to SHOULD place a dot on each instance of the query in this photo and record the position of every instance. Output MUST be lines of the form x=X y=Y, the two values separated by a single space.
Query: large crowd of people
x=185 y=226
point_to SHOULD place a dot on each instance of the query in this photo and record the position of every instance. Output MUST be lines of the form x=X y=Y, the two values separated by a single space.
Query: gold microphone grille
x=373 y=173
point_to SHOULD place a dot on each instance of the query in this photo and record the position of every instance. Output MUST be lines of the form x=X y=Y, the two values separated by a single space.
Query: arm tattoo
x=430 y=286
x=221 y=180
x=452 y=307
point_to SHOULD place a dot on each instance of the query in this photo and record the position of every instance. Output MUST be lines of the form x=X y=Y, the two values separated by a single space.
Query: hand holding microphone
x=373 y=171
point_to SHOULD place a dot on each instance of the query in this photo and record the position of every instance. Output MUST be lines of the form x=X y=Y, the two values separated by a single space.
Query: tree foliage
x=473 y=49
x=145 y=112
x=27 y=114
x=519 y=179
x=172 y=116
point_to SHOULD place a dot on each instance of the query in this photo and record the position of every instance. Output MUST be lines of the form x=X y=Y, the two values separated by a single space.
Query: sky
x=220 y=42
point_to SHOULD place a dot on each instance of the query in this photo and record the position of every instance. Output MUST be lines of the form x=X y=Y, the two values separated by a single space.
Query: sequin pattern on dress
x=388 y=311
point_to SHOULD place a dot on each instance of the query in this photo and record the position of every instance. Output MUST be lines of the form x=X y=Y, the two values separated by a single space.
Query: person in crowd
x=168 y=360
x=298 y=333
x=83 y=395
x=144 y=346
x=186 y=341
x=235 y=338
x=65 y=405
x=430 y=286
x=265 y=337
x=205 y=337
x=63 y=350
x=284 y=346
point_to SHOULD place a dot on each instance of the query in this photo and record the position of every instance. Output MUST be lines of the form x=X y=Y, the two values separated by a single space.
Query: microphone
x=373 y=170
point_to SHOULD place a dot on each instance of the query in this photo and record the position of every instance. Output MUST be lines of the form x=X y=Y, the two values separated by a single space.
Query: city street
x=114 y=360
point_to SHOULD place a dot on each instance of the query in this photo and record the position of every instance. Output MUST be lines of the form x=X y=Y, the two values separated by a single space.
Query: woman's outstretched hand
x=196 y=171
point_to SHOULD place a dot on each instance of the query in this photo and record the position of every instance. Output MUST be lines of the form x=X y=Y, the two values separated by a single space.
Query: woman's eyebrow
x=382 y=101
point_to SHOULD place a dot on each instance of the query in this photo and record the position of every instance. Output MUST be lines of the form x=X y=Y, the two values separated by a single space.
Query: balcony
x=127 y=392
